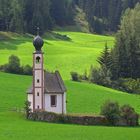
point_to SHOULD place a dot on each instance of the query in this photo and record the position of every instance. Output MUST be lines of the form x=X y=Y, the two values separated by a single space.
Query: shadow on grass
x=56 y=36
x=12 y=44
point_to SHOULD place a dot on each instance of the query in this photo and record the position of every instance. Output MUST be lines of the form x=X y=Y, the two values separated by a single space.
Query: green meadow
x=77 y=54
x=82 y=98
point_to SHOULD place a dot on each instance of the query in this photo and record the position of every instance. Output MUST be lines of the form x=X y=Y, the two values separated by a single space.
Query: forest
x=25 y=15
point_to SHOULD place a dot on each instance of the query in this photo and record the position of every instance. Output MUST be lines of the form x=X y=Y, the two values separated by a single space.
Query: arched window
x=37 y=60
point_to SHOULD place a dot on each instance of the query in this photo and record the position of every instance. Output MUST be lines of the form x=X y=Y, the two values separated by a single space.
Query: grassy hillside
x=75 y=55
x=14 y=127
x=82 y=98
x=81 y=51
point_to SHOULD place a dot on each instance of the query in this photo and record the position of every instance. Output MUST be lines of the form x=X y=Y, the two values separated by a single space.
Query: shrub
x=74 y=76
x=27 y=108
x=131 y=85
x=129 y=115
x=120 y=116
x=100 y=76
x=85 y=76
x=27 y=70
x=13 y=65
x=94 y=76
x=111 y=111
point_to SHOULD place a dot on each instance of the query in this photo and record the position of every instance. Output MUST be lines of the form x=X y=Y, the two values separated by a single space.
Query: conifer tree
x=105 y=58
x=127 y=44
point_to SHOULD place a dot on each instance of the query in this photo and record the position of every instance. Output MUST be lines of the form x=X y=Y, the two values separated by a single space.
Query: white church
x=48 y=92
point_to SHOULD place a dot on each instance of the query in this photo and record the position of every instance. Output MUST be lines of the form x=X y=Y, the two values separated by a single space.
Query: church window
x=53 y=100
x=37 y=93
x=37 y=60
x=38 y=107
x=37 y=80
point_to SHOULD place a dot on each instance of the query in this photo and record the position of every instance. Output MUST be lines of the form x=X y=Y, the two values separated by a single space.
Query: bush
x=84 y=76
x=74 y=76
x=129 y=115
x=131 y=85
x=120 y=116
x=27 y=70
x=111 y=111
x=27 y=108
x=100 y=76
x=95 y=76
x=14 y=67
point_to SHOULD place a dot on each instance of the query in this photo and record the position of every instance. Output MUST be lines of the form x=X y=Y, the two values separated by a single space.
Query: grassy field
x=66 y=56
x=74 y=55
x=17 y=128
x=82 y=98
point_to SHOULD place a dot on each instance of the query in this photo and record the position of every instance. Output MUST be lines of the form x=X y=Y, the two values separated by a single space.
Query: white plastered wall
x=58 y=109
x=65 y=103
x=30 y=99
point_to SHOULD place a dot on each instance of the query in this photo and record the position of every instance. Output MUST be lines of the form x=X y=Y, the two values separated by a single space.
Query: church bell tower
x=38 y=75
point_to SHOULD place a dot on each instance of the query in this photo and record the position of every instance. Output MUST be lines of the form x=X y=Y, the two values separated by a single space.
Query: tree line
x=120 y=66
x=104 y=15
x=25 y=15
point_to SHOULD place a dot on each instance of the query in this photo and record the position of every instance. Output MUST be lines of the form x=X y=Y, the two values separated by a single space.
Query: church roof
x=53 y=83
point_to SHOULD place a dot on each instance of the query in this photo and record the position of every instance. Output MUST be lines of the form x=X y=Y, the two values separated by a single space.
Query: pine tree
x=105 y=59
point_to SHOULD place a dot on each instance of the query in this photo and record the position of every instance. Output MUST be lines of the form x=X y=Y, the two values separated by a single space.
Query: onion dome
x=38 y=43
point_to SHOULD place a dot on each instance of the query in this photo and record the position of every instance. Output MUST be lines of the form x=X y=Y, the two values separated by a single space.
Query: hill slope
x=82 y=98
x=76 y=54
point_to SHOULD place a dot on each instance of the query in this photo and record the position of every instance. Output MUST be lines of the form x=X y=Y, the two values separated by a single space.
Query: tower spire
x=38 y=29
x=38 y=41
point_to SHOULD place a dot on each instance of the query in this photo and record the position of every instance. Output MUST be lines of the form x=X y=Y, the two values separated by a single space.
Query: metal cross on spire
x=38 y=30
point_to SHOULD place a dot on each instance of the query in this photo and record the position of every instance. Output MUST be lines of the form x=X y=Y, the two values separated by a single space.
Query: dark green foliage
x=111 y=111
x=27 y=108
x=25 y=15
x=129 y=115
x=62 y=11
x=126 y=51
x=84 y=76
x=120 y=116
x=102 y=75
x=105 y=59
x=104 y=15
x=74 y=76
x=27 y=70
x=130 y=85
x=14 y=67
